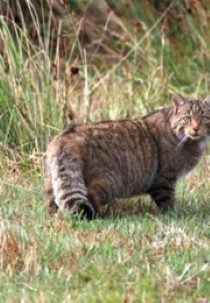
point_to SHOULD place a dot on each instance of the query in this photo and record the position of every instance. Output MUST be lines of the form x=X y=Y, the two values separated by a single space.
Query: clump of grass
x=27 y=105
x=10 y=249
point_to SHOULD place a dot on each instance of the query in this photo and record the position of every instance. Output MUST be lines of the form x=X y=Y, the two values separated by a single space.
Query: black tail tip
x=85 y=210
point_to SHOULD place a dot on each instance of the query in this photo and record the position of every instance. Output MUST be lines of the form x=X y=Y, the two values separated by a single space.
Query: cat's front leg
x=164 y=196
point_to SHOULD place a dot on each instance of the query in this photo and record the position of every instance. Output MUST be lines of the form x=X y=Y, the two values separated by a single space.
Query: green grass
x=135 y=253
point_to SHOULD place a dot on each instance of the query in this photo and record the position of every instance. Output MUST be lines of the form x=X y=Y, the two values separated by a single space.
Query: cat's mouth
x=194 y=137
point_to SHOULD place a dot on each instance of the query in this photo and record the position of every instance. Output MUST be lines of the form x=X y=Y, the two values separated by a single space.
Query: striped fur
x=95 y=164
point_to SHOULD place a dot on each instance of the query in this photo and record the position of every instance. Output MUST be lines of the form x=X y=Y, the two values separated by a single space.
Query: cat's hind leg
x=52 y=207
x=68 y=186
x=100 y=192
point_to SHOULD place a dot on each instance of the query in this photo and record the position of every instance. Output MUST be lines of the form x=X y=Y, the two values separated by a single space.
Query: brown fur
x=95 y=164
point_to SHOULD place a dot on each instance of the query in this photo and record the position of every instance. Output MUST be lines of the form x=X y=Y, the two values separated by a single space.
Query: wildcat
x=94 y=164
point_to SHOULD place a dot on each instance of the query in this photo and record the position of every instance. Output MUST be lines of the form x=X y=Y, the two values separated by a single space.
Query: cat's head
x=191 y=118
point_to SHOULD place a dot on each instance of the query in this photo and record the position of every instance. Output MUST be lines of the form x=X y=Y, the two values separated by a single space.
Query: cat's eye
x=205 y=119
x=186 y=119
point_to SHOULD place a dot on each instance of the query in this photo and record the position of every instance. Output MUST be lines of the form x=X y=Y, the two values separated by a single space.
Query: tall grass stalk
x=37 y=87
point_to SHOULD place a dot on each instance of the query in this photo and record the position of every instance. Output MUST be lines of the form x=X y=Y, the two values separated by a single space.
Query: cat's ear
x=206 y=101
x=178 y=101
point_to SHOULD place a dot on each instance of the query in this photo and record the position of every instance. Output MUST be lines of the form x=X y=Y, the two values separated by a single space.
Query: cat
x=95 y=164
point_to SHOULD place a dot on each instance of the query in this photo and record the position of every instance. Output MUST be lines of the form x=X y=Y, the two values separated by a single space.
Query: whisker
x=181 y=143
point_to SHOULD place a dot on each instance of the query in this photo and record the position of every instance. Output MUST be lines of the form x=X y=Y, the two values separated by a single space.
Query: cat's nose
x=196 y=127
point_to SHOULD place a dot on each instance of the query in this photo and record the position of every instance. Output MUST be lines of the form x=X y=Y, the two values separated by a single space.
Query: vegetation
x=98 y=60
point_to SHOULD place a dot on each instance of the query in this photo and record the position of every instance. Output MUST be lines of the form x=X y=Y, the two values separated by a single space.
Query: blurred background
x=64 y=60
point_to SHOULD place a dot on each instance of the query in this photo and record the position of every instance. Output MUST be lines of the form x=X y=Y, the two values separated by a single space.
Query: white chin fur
x=195 y=138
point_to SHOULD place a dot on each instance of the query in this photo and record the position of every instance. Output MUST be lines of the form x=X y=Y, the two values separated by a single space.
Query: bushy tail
x=68 y=185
